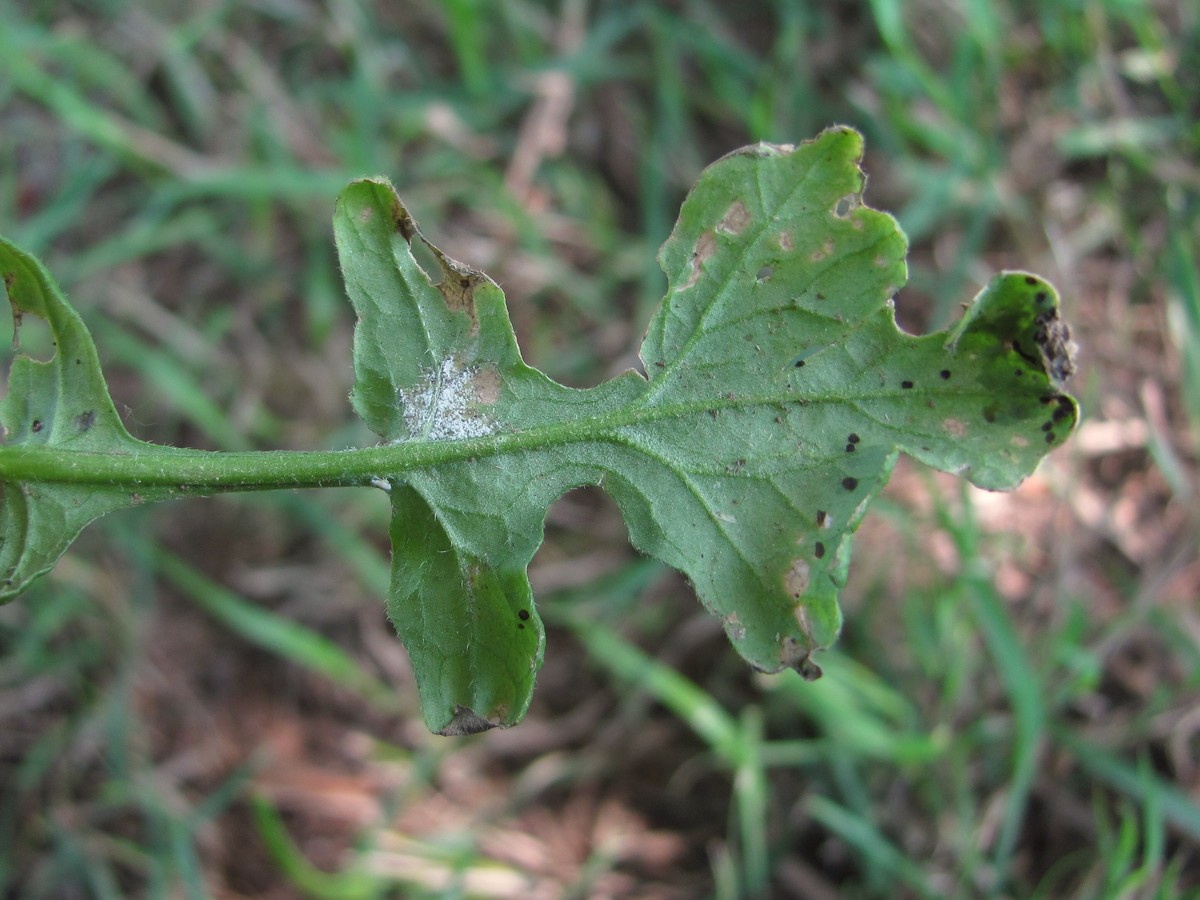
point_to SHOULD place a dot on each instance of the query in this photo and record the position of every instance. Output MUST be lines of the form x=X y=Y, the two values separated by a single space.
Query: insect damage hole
x=846 y=205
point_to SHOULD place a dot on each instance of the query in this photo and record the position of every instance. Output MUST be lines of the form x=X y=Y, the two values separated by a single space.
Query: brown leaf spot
x=705 y=247
x=734 y=627
x=458 y=283
x=796 y=656
x=795 y=580
x=1053 y=336
x=785 y=241
x=466 y=721
x=736 y=218
x=487 y=386
x=956 y=428
x=402 y=221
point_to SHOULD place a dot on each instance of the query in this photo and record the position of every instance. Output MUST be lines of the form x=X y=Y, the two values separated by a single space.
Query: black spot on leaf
x=853 y=438
x=1046 y=426
x=945 y=373
x=850 y=448
x=849 y=483
x=36 y=426
x=907 y=385
x=85 y=420
x=822 y=518
x=1030 y=280
x=819 y=550
x=523 y=615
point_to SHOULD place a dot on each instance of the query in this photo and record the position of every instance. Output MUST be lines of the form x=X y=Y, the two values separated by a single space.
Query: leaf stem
x=201 y=471
x=140 y=464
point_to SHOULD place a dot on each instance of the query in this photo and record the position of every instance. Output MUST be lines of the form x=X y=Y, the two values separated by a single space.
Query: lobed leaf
x=58 y=403
x=778 y=393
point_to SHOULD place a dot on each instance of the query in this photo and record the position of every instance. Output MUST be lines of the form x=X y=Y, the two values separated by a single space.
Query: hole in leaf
x=33 y=337
x=845 y=206
x=427 y=260
x=764 y=274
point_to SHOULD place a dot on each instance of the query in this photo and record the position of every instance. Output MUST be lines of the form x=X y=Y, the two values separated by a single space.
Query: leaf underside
x=777 y=394
x=60 y=403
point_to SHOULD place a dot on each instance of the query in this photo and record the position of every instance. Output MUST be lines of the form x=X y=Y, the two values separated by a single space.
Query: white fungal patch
x=444 y=405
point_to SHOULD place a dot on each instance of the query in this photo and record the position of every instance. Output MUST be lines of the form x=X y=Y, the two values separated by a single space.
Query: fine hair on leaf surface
x=778 y=392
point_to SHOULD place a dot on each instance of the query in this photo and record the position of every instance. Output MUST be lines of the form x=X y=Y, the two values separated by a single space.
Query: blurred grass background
x=204 y=699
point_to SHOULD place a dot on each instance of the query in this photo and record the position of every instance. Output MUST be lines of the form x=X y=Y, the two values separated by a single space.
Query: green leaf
x=59 y=403
x=778 y=393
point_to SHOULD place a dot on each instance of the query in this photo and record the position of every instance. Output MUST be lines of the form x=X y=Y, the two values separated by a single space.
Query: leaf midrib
x=138 y=465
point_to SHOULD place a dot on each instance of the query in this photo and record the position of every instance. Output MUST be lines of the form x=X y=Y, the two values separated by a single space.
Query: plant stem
x=146 y=465
x=201 y=471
